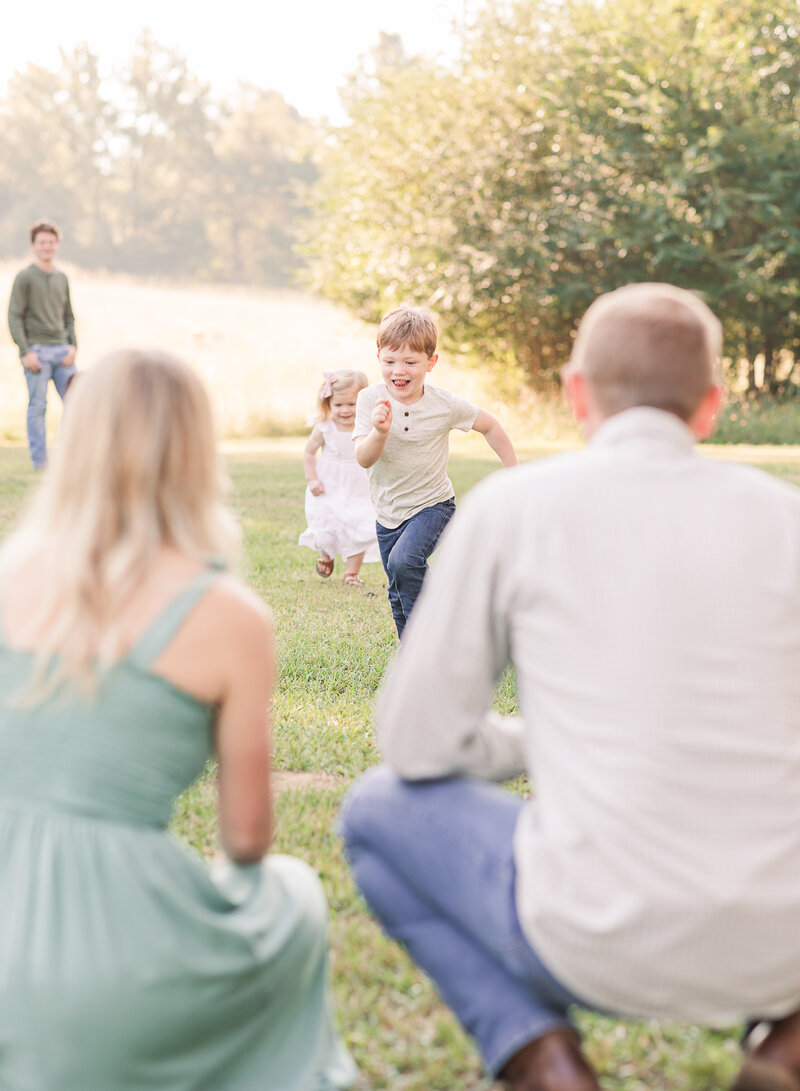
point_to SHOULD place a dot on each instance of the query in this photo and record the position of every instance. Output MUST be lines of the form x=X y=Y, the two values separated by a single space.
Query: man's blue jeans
x=50 y=357
x=434 y=861
x=405 y=551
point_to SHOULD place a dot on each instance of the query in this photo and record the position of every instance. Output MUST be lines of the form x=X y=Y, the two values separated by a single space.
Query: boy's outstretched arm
x=369 y=448
x=496 y=436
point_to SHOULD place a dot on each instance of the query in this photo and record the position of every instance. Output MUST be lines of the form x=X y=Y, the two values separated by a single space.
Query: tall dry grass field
x=262 y=353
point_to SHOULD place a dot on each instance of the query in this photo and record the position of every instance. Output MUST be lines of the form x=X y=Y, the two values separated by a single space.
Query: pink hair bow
x=327 y=387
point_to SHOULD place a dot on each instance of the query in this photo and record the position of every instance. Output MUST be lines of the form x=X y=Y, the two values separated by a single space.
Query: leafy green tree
x=57 y=130
x=148 y=173
x=700 y=163
x=263 y=169
x=380 y=209
x=164 y=163
x=573 y=150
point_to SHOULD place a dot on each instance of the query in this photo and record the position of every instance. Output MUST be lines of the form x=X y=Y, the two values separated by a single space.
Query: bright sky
x=301 y=48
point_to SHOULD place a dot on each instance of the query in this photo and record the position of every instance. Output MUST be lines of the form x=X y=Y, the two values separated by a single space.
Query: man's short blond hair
x=648 y=344
x=412 y=326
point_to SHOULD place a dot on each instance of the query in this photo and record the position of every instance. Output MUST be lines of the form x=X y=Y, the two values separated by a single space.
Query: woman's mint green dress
x=126 y=963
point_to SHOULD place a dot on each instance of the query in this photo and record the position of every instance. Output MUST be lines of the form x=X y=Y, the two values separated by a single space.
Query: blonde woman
x=127 y=658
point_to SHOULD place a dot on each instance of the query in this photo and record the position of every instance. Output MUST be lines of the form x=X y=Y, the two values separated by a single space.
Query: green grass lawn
x=334 y=644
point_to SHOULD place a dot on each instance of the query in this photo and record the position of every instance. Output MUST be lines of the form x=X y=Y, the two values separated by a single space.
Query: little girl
x=338 y=507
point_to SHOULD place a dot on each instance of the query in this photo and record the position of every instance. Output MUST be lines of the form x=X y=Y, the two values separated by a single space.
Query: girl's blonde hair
x=136 y=470
x=337 y=382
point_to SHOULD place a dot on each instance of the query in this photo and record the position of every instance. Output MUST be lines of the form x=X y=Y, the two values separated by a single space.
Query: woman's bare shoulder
x=235 y=608
x=226 y=644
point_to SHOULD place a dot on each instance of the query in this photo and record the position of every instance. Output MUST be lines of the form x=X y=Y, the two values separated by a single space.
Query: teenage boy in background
x=42 y=325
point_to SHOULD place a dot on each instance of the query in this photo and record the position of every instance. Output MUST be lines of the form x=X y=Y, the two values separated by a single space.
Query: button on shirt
x=411 y=473
x=649 y=600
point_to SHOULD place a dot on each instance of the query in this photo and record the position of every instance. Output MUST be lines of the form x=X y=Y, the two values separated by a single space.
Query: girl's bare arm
x=310 y=462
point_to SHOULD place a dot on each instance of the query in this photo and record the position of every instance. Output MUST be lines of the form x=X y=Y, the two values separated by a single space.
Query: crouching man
x=648 y=599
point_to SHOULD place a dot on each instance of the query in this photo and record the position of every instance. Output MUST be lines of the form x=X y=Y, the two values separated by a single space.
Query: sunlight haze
x=304 y=50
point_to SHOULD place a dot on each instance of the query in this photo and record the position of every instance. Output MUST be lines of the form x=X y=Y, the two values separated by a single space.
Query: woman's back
x=123 y=753
x=125 y=961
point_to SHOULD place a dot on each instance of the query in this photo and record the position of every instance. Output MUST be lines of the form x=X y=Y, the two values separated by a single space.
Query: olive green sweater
x=40 y=311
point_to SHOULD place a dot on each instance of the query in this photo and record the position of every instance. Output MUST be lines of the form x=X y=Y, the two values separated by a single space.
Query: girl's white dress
x=342 y=519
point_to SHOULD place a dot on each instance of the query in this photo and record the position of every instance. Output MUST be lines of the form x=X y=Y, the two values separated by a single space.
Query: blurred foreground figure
x=128 y=658
x=648 y=599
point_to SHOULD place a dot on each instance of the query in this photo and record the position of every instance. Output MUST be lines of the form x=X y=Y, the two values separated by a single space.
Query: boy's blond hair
x=412 y=326
x=338 y=382
x=650 y=345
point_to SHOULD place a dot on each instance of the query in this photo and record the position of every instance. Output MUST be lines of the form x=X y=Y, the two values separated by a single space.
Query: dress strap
x=161 y=631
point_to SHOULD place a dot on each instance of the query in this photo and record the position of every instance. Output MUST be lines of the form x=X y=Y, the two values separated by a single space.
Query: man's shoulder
x=750 y=480
x=532 y=485
x=557 y=478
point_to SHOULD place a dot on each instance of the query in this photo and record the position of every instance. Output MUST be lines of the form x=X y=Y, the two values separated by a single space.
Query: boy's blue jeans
x=434 y=861
x=405 y=551
x=50 y=357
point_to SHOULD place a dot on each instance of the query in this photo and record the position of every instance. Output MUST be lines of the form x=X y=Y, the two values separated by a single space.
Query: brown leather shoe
x=553 y=1062
x=773 y=1064
x=756 y=1075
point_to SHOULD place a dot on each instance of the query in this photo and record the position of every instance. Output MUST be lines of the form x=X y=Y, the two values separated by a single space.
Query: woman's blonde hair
x=136 y=470
x=337 y=382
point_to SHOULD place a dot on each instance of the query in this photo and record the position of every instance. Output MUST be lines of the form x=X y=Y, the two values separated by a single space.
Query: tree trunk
x=751 y=374
x=771 y=383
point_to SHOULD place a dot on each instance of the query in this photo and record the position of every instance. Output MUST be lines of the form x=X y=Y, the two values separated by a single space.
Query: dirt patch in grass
x=283 y=781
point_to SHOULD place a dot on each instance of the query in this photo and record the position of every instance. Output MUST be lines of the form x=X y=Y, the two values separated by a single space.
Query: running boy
x=401 y=438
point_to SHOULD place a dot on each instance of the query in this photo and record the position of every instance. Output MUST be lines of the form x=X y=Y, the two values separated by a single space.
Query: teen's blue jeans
x=51 y=358
x=405 y=551
x=434 y=861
